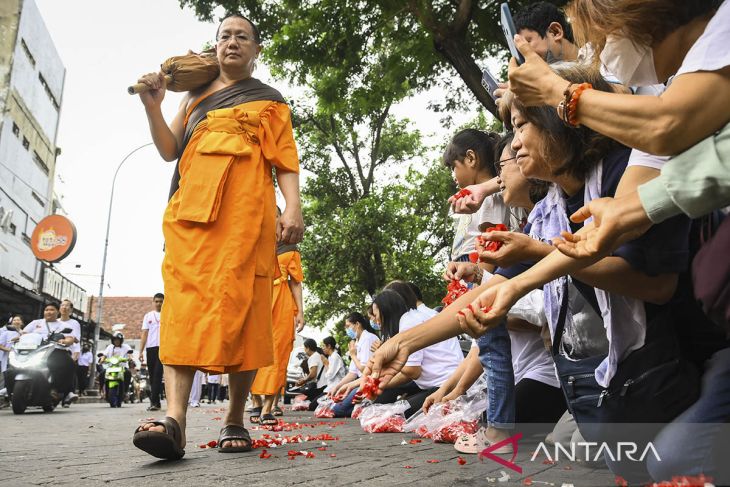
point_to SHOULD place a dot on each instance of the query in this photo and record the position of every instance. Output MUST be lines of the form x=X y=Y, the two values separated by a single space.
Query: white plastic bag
x=384 y=418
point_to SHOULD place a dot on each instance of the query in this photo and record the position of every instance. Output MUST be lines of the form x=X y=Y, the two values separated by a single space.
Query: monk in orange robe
x=287 y=312
x=220 y=233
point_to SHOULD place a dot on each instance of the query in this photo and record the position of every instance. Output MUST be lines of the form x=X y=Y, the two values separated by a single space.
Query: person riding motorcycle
x=60 y=363
x=120 y=349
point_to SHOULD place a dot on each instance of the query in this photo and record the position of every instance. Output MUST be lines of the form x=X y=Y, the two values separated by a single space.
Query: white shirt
x=75 y=331
x=39 y=326
x=112 y=351
x=493 y=210
x=85 y=359
x=437 y=361
x=335 y=371
x=214 y=379
x=5 y=340
x=710 y=51
x=151 y=323
x=362 y=347
x=315 y=360
x=426 y=311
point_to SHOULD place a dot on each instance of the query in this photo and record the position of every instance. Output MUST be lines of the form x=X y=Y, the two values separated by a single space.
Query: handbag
x=653 y=384
x=312 y=385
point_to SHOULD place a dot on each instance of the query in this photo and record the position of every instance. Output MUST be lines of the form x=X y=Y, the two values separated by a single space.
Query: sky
x=105 y=46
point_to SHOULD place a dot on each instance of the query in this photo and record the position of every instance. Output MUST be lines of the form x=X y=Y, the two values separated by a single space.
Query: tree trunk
x=457 y=54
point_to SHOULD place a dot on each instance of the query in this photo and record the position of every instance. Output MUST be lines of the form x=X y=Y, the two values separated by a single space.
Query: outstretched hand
x=488 y=310
x=533 y=82
x=515 y=247
x=471 y=202
x=615 y=221
x=386 y=362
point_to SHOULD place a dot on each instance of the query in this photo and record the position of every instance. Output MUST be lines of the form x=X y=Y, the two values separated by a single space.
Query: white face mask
x=632 y=64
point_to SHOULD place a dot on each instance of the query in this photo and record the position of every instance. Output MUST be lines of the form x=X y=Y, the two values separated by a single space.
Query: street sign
x=53 y=239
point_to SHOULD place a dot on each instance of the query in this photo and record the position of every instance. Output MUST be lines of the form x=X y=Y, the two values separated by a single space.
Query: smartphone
x=489 y=83
x=508 y=27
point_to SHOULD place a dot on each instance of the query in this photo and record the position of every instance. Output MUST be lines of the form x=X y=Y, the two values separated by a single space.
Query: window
x=26 y=144
x=54 y=102
x=38 y=199
x=27 y=52
x=16 y=130
x=40 y=162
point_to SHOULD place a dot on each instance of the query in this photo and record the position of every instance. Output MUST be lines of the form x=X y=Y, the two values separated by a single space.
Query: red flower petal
x=433 y=461
x=212 y=444
x=460 y=461
x=527 y=481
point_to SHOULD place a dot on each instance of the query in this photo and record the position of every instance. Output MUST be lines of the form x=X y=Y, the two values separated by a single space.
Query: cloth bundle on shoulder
x=185 y=73
x=384 y=418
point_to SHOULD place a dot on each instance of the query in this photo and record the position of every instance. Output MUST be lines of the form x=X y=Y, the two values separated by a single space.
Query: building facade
x=32 y=79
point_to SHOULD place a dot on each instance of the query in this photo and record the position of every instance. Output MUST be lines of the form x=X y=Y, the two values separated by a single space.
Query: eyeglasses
x=239 y=38
x=500 y=164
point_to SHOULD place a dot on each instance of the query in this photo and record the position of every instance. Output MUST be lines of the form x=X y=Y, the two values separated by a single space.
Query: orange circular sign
x=53 y=239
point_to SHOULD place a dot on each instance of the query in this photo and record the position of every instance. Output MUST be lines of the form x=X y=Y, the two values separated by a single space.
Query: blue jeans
x=343 y=409
x=697 y=442
x=495 y=353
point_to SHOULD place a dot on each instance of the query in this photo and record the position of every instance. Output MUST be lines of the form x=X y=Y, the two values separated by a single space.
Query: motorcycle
x=114 y=368
x=29 y=376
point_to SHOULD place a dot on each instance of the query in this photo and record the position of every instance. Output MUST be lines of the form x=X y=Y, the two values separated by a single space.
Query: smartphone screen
x=489 y=83
x=508 y=26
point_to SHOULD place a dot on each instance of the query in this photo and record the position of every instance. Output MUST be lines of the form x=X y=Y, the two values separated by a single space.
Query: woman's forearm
x=472 y=372
x=661 y=125
x=445 y=324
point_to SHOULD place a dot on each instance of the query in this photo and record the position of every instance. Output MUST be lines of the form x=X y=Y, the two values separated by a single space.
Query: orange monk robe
x=220 y=240
x=271 y=379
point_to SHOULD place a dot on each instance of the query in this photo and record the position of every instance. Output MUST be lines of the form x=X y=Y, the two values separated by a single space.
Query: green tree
x=339 y=45
x=363 y=232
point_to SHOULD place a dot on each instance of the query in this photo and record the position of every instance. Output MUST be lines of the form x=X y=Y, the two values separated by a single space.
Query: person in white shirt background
x=117 y=348
x=60 y=363
x=214 y=382
x=196 y=390
x=84 y=362
x=316 y=376
x=66 y=321
x=6 y=341
x=149 y=344
x=335 y=369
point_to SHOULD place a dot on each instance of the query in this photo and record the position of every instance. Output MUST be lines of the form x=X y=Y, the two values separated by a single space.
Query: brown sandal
x=231 y=433
x=161 y=445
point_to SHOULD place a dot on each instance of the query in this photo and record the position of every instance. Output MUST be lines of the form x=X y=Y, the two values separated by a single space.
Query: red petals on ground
x=684 y=481
x=322 y=448
x=460 y=461
x=370 y=388
x=415 y=441
x=407 y=466
x=265 y=454
x=332 y=455
x=454 y=290
x=433 y=460
x=548 y=462
x=620 y=481
x=217 y=418
x=527 y=481
x=212 y=444
x=461 y=193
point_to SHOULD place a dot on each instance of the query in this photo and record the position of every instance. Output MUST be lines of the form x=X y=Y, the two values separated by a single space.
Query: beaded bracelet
x=571 y=114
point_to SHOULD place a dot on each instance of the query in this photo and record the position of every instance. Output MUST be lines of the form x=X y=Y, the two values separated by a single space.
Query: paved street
x=90 y=444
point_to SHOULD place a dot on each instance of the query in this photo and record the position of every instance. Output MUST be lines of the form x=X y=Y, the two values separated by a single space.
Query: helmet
x=118 y=335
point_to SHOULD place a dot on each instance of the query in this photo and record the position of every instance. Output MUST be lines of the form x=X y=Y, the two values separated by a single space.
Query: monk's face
x=237 y=47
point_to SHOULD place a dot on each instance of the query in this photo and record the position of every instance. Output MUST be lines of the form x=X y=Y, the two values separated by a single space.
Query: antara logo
x=623 y=450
